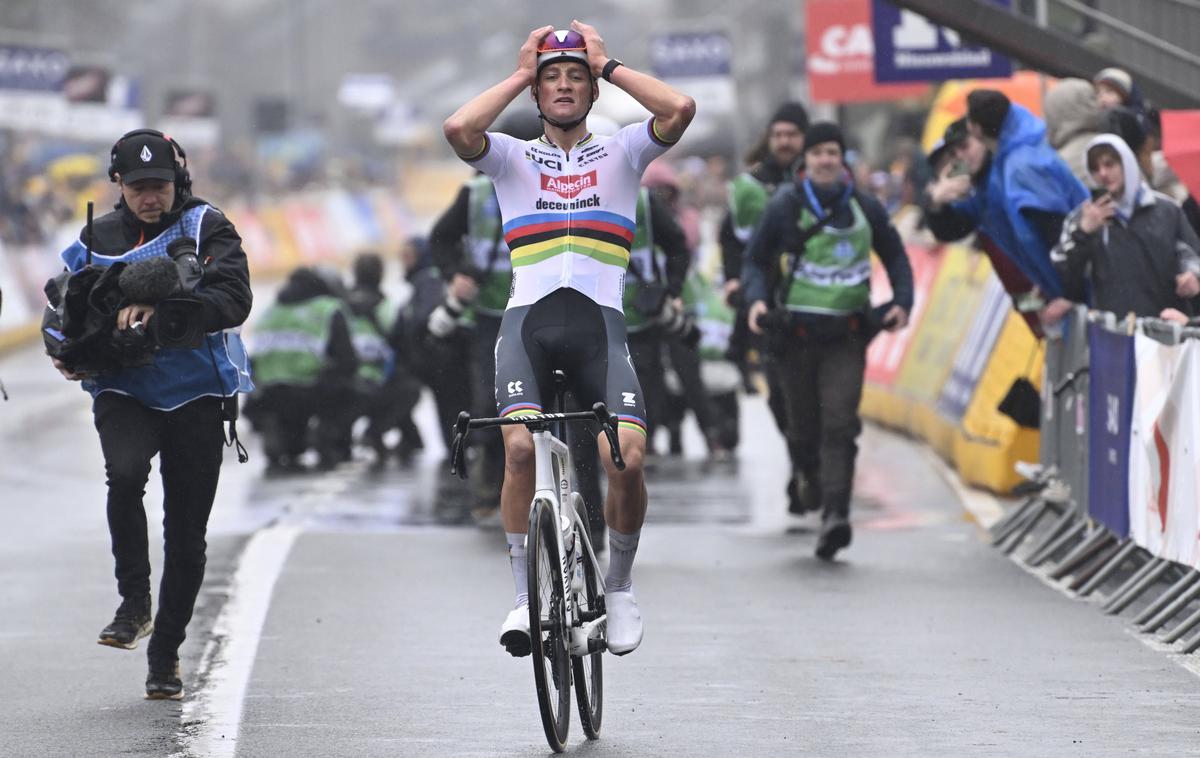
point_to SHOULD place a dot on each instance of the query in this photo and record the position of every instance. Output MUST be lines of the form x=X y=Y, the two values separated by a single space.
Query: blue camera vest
x=176 y=377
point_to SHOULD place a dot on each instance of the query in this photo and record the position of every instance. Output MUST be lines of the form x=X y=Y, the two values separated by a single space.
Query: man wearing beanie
x=772 y=162
x=1019 y=203
x=820 y=318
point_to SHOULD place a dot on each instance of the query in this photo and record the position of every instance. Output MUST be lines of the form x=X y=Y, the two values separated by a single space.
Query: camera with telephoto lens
x=178 y=320
x=678 y=322
x=79 y=326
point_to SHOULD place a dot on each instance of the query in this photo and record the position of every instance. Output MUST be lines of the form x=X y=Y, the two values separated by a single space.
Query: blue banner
x=687 y=55
x=910 y=48
x=1113 y=378
x=34 y=69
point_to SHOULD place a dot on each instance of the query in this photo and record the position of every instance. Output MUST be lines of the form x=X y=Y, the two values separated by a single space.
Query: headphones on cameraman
x=183 y=179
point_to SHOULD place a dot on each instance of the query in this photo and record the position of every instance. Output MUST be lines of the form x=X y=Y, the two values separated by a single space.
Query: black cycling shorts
x=566 y=330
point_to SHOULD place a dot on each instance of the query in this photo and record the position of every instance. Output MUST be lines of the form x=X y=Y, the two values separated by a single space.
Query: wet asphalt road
x=379 y=635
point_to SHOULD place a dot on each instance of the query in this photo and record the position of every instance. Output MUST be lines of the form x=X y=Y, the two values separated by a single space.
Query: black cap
x=793 y=113
x=823 y=131
x=955 y=135
x=145 y=156
x=1127 y=124
x=988 y=108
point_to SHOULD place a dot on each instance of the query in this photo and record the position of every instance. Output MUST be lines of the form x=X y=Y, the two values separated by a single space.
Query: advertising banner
x=841 y=54
x=953 y=301
x=910 y=48
x=1113 y=377
x=886 y=352
x=1149 y=455
x=976 y=348
x=1175 y=443
x=699 y=63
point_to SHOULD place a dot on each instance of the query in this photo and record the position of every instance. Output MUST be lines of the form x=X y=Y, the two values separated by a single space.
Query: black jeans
x=189 y=442
x=822 y=385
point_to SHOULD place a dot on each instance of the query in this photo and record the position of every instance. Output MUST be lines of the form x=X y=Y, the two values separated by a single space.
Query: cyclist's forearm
x=672 y=110
x=465 y=127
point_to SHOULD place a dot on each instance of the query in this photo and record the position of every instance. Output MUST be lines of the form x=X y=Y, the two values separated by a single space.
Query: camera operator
x=653 y=308
x=175 y=405
x=823 y=321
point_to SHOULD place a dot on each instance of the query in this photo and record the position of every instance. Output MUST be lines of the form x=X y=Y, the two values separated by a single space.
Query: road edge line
x=212 y=717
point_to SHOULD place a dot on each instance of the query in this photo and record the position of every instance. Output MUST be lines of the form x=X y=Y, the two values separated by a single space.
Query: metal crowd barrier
x=1080 y=538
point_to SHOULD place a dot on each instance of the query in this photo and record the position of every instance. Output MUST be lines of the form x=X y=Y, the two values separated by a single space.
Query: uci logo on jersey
x=546 y=161
x=569 y=186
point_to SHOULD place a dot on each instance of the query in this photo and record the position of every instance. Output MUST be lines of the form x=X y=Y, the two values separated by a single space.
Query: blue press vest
x=176 y=377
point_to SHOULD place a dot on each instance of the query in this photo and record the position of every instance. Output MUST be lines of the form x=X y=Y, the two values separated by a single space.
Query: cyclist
x=567 y=200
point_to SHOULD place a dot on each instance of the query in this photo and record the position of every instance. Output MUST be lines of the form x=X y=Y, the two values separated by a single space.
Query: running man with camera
x=166 y=400
x=568 y=202
x=822 y=320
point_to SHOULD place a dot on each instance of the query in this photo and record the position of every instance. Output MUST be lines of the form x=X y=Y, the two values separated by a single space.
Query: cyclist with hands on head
x=567 y=200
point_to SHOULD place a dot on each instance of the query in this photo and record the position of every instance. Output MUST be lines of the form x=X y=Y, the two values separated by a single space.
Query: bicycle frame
x=554 y=482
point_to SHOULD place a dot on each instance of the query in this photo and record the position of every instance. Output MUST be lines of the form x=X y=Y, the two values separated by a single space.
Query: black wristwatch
x=609 y=68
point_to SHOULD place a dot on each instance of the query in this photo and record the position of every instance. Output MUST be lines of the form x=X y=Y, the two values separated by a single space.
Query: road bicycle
x=567 y=621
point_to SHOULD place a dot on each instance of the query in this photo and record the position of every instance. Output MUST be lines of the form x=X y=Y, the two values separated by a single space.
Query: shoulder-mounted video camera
x=79 y=326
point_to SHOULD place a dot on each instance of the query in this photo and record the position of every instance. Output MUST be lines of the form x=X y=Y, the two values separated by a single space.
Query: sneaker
x=835 y=535
x=163 y=682
x=131 y=622
x=514 y=634
x=624 y=622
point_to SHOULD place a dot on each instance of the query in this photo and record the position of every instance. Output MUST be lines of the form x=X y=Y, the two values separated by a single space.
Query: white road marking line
x=212 y=716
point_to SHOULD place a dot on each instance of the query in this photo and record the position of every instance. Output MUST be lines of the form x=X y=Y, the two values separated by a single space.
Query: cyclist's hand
x=527 y=57
x=596 y=52
x=757 y=310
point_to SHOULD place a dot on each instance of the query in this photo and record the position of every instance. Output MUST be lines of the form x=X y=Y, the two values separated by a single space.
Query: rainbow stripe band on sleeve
x=633 y=423
x=487 y=143
x=654 y=134
x=521 y=409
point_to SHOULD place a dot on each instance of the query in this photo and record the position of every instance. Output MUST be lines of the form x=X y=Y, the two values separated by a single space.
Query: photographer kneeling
x=160 y=385
x=822 y=322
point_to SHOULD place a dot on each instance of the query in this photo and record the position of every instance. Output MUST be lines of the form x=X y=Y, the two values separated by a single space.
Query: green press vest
x=486 y=248
x=291 y=339
x=834 y=273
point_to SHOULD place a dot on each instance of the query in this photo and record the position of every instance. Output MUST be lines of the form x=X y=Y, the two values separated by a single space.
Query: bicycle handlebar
x=599 y=413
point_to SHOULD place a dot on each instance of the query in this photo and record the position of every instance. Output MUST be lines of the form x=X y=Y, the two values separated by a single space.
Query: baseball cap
x=145 y=156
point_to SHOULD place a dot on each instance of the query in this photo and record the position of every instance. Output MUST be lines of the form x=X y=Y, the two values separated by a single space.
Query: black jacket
x=446 y=239
x=225 y=288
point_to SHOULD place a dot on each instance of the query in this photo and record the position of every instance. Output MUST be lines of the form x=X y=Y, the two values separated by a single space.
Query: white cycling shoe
x=514 y=634
x=624 y=622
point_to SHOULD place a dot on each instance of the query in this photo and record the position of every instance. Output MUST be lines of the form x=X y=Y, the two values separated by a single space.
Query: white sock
x=520 y=571
x=621 y=549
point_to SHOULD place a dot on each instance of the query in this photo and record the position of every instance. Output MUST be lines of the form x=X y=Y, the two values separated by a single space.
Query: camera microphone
x=149 y=281
x=183 y=251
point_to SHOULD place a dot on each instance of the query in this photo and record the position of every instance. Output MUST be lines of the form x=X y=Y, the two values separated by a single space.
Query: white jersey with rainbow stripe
x=569 y=215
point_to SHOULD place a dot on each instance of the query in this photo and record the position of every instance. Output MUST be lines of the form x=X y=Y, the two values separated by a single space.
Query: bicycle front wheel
x=548 y=635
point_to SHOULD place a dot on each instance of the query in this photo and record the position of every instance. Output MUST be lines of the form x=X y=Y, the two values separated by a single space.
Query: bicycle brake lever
x=458 y=446
x=610 y=422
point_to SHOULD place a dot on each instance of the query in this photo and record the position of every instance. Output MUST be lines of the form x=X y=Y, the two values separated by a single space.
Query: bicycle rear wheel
x=588 y=669
x=549 y=638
